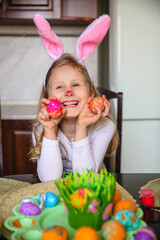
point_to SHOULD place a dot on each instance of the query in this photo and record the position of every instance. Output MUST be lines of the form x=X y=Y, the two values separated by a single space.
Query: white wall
x=135 y=70
x=23 y=62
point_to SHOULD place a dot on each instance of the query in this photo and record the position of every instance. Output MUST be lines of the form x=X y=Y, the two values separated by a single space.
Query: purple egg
x=146 y=233
x=29 y=208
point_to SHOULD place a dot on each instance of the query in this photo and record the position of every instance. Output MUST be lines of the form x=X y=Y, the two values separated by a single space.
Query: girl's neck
x=68 y=127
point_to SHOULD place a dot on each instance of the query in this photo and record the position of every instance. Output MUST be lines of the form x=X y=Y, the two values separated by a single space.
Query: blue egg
x=51 y=199
x=128 y=219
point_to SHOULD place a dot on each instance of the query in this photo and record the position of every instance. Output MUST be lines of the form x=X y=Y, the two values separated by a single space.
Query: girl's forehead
x=66 y=71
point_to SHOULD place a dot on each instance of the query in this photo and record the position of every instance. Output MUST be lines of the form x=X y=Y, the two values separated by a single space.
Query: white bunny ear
x=91 y=37
x=51 y=42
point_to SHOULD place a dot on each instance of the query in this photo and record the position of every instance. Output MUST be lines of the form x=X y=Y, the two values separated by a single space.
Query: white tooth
x=70 y=103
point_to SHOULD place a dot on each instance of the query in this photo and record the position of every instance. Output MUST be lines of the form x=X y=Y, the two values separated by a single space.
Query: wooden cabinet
x=59 y=11
x=16 y=141
x=27 y=8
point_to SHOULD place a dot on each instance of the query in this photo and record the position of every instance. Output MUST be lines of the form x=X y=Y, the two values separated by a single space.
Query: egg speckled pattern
x=30 y=208
x=96 y=102
x=54 y=108
x=113 y=230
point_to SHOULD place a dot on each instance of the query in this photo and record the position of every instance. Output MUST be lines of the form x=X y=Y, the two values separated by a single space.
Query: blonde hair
x=65 y=59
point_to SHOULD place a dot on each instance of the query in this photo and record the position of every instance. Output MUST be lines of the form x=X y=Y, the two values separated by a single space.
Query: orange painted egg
x=125 y=204
x=96 y=102
x=54 y=108
x=113 y=230
x=56 y=232
x=86 y=233
x=117 y=197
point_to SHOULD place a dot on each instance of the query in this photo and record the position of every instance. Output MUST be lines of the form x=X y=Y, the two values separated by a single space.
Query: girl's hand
x=86 y=117
x=44 y=118
x=107 y=107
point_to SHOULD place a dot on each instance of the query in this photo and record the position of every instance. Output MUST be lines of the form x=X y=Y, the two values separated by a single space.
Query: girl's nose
x=69 y=93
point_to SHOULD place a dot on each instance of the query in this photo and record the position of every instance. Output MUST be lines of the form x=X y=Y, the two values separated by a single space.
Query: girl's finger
x=44 y=102
x=99 y=111
x=45 y=113
x=106 y=109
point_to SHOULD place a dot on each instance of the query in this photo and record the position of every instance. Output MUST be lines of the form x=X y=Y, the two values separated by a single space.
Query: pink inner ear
x=51 y=42
x=92 y=37
x=54 y=49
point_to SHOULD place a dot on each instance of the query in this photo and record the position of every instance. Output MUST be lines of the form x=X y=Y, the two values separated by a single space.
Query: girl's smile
x=69 y=104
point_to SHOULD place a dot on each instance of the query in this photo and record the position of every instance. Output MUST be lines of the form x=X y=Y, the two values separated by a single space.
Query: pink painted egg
x=54 y=109
x=96 y=102
x=29 y=208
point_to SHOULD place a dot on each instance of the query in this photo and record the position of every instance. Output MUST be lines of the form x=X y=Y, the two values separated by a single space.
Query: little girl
x=79 y=139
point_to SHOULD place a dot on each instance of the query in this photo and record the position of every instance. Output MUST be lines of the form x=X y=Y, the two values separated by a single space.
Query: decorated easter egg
x=96 y=102
x=128 y=219
x=51 y=199
x=54 y=108
x=125 y=204
x=113 y=230
x=30 y=208
x=146 y=233
x=86 y=233
x=56 y=232
x=117 y=197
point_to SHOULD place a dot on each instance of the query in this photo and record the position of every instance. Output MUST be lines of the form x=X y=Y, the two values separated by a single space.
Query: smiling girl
x=79 y=139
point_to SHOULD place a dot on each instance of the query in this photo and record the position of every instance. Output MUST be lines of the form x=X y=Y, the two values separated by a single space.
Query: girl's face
x=70 y=88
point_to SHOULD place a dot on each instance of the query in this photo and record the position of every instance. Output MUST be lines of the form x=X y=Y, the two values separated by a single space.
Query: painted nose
x=69 y=93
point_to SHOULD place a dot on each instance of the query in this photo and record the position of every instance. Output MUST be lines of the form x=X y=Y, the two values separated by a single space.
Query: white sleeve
x=89 y=152
x=50 y=166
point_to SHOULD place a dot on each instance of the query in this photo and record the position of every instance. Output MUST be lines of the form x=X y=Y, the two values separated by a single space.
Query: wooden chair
x=114 y=164
x=1 y=161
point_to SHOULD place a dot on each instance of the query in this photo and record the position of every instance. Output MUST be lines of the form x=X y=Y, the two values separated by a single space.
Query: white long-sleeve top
x=61 y=155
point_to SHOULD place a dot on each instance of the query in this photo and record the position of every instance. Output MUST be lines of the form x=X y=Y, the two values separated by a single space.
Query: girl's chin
x=70 y=116
x=72 y=113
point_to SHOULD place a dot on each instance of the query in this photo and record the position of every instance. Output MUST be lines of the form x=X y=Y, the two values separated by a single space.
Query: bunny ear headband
x=90 y=38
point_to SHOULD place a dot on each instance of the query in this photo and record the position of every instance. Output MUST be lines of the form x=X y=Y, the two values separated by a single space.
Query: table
x=130 y=181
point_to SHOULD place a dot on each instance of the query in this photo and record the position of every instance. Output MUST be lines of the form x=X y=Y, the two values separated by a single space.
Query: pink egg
x=54 y=109
x=96 y=102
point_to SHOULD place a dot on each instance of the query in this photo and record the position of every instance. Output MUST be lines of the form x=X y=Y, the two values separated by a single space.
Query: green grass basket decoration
x=87 y=197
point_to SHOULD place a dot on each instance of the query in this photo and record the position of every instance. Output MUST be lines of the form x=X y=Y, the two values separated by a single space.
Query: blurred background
x=128 y=60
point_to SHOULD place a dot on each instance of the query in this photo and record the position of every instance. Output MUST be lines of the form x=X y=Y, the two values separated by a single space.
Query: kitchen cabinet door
x=16 y=142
